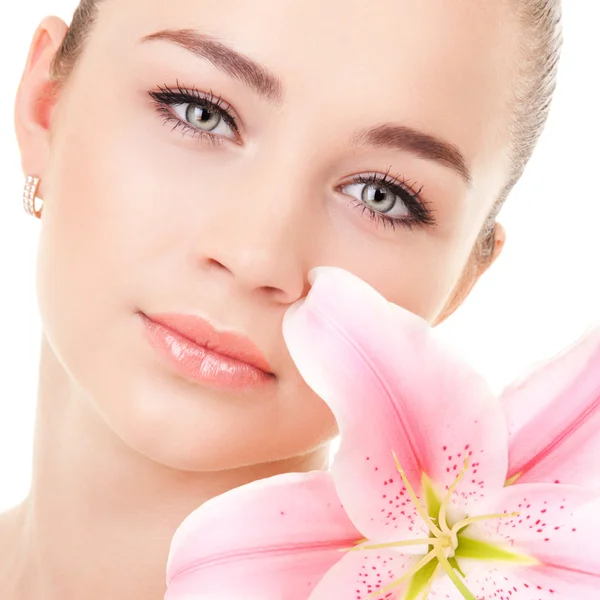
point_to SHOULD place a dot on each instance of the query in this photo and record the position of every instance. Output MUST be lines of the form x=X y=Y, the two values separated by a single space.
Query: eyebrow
x=241 y=67
x=266 y=84
x=430 y=147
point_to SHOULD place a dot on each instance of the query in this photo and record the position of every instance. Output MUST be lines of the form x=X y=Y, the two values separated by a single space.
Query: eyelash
x=420 y=214
x=413 y=200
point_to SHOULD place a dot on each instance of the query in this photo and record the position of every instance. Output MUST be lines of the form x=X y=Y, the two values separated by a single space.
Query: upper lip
x=201 y=332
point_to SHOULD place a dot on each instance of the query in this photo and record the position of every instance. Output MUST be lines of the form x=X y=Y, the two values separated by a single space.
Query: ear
x=35 y=99
x=474 y=269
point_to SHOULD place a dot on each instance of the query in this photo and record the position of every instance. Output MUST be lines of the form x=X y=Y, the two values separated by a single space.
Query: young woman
x=191 y=161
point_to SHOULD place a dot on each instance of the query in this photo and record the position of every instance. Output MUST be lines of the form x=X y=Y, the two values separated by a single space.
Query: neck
x=100 y=516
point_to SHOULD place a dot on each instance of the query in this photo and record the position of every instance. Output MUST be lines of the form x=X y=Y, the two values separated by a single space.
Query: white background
x=541 y=295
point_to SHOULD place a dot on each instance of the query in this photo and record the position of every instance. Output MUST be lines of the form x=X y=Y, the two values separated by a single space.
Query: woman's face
x=334 y=117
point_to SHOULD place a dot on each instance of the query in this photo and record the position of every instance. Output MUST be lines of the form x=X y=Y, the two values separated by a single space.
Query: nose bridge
x=274 y=202
x=265 y=233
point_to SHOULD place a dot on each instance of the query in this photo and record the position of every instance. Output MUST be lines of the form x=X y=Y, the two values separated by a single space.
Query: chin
x=196 y=430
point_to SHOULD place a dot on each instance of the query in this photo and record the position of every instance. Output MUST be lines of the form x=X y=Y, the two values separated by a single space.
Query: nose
x=262 y=236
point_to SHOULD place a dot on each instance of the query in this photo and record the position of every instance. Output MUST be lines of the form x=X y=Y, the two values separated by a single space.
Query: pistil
x=443 y=543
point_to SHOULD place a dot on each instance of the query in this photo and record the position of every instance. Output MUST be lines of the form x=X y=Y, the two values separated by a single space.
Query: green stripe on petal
x=420 y=580
x=468 y=548
x=431 y=498
x=456 y=566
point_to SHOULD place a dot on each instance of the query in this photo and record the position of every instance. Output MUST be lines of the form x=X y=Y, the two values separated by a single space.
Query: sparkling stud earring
x=29 y=197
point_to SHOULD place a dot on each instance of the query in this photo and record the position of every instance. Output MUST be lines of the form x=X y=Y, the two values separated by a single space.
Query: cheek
x=415 y=270
x=83 y=275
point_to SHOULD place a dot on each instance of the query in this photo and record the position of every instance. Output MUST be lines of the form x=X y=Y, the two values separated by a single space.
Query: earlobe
x=34 y=101
x=499 y=242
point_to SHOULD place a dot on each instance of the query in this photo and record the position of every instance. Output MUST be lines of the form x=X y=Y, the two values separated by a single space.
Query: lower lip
x=200 y=364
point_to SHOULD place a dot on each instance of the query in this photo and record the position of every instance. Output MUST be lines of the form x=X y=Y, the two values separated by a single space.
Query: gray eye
x=378 y=198
x=204 y=119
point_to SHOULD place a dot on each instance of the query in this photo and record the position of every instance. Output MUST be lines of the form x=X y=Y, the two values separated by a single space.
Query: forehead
x=444 y=66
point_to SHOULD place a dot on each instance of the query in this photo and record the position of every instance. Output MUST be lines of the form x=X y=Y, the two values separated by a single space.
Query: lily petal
x=360 y=574
x=534 y=583
x=553 y=415
x=444 y=589
x=272 y=538
x=550 y=531
x=393 y=388
x=542 y=511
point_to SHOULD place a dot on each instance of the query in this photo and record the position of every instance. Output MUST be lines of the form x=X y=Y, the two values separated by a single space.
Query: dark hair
x=541 y=43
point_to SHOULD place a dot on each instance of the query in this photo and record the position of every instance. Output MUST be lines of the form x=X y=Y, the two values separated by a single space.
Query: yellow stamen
x=427 y=588
x=442 y=545
x=424 y=561
x=422 y=512
x=455 y=578
x=421 y=542
x=466 y=522
x=446 y=501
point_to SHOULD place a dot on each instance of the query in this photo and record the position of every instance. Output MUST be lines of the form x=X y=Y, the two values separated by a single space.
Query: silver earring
x=29 y=197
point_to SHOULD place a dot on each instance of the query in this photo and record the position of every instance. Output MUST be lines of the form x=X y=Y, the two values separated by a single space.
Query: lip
x=202 y=353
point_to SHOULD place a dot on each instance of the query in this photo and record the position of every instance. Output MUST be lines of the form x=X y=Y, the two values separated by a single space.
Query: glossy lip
x=226 y=343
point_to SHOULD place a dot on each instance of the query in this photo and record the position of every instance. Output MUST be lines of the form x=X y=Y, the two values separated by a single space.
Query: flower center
x=442 y=543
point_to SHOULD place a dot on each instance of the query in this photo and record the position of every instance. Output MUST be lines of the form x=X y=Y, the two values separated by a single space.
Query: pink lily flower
x=553 y=417
x=415 y=505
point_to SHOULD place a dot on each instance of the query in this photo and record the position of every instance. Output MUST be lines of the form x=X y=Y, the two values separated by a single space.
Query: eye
x=389 y=201
x=197 y=113
x=379 y=198
x=204 y=118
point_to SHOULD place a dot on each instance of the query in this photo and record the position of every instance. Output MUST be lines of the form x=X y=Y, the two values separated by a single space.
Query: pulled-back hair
x=540 y=41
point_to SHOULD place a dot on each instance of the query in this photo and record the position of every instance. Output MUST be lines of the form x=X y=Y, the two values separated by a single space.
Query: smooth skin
x=140 y=217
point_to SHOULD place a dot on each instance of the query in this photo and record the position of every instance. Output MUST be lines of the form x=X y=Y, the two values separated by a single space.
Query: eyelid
x=411 y=198
x=182 y=94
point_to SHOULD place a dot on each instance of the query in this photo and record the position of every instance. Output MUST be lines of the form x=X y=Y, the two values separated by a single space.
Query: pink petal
x=516 y=582
x=543 y=509
x=533 y=583
x=550 y=528
x=272 y=538
x=392 y=387
x=359 y=574
x=444 y=589
x=554 y=418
